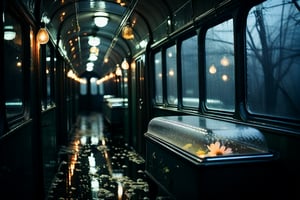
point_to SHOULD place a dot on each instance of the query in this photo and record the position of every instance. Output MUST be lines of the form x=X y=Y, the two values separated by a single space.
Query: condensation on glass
x=219 y=69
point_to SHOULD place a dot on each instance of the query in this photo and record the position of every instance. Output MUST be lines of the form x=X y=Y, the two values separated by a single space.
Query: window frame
x=181 y=40
x=239 y=16
x=204 y=71
x=27 y=47
x=257 y=116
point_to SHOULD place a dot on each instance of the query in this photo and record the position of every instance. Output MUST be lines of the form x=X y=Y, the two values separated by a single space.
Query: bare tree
x=274 y=43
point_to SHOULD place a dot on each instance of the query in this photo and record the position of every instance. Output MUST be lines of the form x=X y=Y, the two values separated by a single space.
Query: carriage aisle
x=97 y=166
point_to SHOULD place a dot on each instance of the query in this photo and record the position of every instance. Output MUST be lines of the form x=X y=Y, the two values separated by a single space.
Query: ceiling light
x=101 y=21
x=125 y=64
x=127 y=32
x=94 y=41
x=89 y=68
x=93 y=57
x=118 y=71
x=94 y=50
x=143 y=43
x=9 y=33
x=42 y=36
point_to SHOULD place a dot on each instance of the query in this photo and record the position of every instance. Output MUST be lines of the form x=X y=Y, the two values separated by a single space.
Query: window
x=219 y=58
x=83 y=86
x=101 y=88
x=171 y=74
x=13 y=66
x=273 y=59
x=94 y=88
x=158 y=78
x=49 y=71
x=190 y=76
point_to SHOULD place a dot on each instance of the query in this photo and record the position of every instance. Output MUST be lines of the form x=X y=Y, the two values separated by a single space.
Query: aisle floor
x=99 y=165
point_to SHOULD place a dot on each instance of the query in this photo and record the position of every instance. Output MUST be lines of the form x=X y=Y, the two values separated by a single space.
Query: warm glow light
x=212 y=69
x=103 y=141
x=125 y=64
x=118 y=71
x=171 y=72
x=43 y=36
x=132 y=65
x=120 y=191
x=94 y=50
x=225 y=77
x=127 y=32
x=70 y=74
x=224 y=61
x=19 y=64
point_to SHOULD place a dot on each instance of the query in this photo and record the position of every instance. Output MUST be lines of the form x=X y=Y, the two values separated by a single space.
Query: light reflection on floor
x=96 y=167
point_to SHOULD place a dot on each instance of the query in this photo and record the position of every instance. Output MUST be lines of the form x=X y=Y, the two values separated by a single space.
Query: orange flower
x=215 y=149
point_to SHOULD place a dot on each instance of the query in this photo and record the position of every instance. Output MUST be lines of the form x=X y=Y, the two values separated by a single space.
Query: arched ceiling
x=71 y=24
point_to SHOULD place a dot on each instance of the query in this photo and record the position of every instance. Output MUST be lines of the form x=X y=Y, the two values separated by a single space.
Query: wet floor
x=98 y=166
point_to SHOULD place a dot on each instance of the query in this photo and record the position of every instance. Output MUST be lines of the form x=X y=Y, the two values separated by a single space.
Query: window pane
x=171 y=70
x=219 y=49
x=273 y=59
x=54 y=87
x=13 y=64
x=190 y=78
x=158 y=78
x=101 y=88
x=49 y=73
x=83 y=86
x=94 y=88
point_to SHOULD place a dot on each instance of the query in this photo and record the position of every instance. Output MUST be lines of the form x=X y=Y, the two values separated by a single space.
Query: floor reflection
x=95 y=166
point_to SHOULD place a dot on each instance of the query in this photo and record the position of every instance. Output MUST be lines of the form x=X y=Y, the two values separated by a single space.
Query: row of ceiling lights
x=94 y=42
x=101 y=20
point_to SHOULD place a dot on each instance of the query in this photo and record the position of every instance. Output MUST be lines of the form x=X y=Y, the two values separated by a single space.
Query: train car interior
x=150 y=99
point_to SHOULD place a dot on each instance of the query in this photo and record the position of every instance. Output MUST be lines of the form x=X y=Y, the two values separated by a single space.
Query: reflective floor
x=97 y=165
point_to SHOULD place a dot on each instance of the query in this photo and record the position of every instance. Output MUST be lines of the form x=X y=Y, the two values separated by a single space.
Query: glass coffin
x=114 y=109
x=192 y=157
